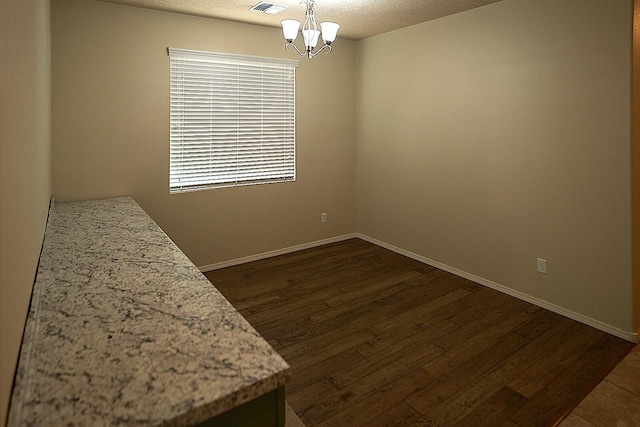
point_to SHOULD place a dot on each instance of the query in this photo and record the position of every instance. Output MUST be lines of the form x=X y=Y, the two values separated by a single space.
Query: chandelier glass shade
x=310 y=32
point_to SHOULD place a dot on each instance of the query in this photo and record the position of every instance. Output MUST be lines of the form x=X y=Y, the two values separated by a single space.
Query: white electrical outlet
x=542 y=266
x=323 y=217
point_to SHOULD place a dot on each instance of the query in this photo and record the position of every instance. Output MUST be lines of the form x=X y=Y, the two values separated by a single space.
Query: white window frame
x=232 y=120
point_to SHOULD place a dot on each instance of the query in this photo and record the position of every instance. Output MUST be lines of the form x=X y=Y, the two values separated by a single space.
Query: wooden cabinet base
x=267 y=410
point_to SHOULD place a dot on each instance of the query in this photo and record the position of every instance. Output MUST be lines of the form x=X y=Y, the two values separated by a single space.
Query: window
x=232 y=120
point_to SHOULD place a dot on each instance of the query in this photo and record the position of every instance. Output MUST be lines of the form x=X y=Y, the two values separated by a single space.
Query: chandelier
x=310 y=32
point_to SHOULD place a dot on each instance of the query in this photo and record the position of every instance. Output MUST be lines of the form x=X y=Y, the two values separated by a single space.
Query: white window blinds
x=232 y=120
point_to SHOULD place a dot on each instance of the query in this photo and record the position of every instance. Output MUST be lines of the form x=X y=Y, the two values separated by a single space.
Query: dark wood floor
x=375 y=338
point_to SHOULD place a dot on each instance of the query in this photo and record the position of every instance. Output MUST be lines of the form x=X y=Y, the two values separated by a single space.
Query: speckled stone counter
x=124 y=330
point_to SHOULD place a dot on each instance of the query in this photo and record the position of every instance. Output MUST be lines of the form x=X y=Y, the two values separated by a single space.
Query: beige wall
x=496 y=136
x=25 y=182
x=110 y=130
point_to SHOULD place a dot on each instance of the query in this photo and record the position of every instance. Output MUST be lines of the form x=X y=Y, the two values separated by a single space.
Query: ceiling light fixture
x=310 y=32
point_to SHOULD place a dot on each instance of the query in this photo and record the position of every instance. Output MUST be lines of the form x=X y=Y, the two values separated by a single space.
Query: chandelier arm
x=286 y=47
x=325 y=46
x=309 y=54
x=312 y=54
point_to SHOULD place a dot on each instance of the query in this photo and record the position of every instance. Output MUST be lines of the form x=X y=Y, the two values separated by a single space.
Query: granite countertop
x=124 y=330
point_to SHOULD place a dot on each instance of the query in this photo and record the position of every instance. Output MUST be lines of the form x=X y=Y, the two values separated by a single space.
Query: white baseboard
x=277 y=252
x=626 y=335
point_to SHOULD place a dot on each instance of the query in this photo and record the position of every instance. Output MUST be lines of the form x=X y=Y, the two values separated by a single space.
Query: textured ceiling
x=358 y=18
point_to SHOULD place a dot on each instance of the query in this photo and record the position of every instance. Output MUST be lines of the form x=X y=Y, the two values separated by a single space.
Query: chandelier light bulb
x=329 y=31
x=290 y=29
x=310 y=38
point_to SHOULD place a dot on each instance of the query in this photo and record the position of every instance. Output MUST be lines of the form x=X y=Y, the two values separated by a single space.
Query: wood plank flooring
x=378 y=339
